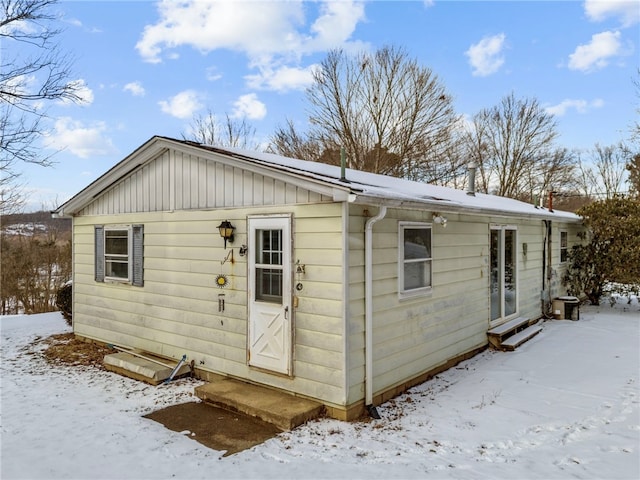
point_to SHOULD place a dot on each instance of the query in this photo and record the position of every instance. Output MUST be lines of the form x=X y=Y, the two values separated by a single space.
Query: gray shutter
x=138 y=255
x=99 y=252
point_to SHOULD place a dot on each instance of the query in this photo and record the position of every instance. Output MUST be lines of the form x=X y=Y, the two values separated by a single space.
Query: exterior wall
x=176 y=312
x=178 y=181
x=413 y=336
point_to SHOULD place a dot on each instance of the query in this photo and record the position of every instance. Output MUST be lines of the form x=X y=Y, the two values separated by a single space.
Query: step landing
x=281 y=409
x=149 y=370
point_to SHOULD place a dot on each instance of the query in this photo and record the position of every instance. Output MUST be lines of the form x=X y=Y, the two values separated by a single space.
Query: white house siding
x=176 y=180
x=176 y=312
x=415 y=335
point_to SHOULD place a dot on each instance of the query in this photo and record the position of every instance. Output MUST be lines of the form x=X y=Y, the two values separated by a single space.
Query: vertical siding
x=176 y=180
x=176 y=312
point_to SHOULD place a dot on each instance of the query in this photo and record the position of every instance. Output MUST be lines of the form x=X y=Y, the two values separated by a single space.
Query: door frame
x=502 y=318
x=270 y=222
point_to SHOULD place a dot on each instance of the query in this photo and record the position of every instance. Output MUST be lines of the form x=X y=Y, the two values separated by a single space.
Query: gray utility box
x=566 y=308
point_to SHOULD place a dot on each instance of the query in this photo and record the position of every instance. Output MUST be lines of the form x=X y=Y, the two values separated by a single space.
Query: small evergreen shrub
x=64 y=301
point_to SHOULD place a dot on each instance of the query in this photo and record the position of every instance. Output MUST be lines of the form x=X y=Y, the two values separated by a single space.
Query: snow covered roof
x=359 y=187
x=382 y=189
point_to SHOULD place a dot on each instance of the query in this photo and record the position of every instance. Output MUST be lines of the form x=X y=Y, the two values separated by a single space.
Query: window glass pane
x=417 y=275
x=117 y=268
x=510 y=263
x=417 y=243
x=269 y=285
x=564 y=246
x=116 y=242
x=269 y=248
x=563 y=239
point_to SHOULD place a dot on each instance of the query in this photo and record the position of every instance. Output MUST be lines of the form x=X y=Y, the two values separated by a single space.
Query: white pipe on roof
x=368 y=301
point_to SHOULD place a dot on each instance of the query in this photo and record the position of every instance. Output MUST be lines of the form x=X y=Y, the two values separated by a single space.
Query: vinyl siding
x=415 y=335
x=176 y=180
x=176 y=312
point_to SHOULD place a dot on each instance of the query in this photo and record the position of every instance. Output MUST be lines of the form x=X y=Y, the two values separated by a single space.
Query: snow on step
x=514 y=341
x=500 y=330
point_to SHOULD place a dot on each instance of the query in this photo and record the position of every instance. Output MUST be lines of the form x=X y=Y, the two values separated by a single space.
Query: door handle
x=286 y=312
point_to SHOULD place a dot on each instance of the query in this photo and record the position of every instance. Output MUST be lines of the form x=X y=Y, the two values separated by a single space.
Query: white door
x=503 y=286
x=269 y=291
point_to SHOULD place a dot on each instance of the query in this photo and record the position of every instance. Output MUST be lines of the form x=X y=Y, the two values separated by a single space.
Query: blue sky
x=148 y=67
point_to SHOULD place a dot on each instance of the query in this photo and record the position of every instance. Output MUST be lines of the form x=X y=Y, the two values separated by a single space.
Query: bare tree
x=513 y=144
x=610 y=168
x=391 y=116
x=209 y=130
x=39 y=73
x=291 y=143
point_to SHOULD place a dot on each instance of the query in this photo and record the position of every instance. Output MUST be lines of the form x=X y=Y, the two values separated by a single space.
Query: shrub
x=64 y=301
x=611 y=252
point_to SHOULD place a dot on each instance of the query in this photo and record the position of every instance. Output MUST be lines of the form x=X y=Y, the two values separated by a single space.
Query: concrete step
x=150 y=370
x=281 y=409
x=518 y=339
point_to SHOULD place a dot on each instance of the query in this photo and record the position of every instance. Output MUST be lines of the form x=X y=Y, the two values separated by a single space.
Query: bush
x=611 y=252
x=64 y=301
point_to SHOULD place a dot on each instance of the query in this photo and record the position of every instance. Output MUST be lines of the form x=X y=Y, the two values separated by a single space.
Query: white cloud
x=82 y=140
x=596 y=54
x=581 y=106
x=270 y=34
x=183 y=105
x=251 y=27
x=248 y=106
x=486 y=56
x=627 y=10
x=336 y=23
x=282 y=79
x=135 y=88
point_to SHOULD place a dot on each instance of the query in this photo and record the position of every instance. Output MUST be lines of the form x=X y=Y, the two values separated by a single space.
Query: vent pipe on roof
x=343 y=165
x=471 y=172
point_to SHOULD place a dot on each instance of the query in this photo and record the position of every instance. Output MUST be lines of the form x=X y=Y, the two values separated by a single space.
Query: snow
x=564 y=405
x=401 y=190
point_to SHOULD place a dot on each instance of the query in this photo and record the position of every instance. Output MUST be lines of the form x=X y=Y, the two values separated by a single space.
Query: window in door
x=269 y=268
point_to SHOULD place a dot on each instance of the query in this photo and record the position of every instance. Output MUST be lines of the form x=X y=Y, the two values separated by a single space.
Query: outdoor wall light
x=439 y=220
x=226 y=232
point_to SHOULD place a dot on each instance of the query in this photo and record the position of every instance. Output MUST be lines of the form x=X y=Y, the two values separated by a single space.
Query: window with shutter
x=119 y=254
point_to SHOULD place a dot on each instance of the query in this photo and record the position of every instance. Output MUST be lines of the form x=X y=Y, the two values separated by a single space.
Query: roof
x=359 y=187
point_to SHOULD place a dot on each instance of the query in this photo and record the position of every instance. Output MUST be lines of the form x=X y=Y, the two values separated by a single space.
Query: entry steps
x=281 y=409
x=512 y=334
x=143 y=367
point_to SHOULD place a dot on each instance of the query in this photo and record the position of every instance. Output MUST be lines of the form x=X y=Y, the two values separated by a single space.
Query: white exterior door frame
x=270 y=322
x=504 y=274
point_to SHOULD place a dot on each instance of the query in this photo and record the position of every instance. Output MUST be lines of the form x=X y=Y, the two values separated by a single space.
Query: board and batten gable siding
x=176 y=312
x=175 y=180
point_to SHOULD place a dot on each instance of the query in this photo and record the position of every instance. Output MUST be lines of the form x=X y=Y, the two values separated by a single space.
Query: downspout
x=368 y=310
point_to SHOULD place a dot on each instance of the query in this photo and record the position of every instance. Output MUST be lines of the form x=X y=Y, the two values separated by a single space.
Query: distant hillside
x=33 y=223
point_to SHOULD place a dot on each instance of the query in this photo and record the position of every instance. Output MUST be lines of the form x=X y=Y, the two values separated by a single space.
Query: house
x=336 y=285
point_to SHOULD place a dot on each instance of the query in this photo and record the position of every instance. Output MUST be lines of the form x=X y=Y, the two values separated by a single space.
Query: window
x=119 y=254
x=564 y=247
x=414 y=274
x=269 y=265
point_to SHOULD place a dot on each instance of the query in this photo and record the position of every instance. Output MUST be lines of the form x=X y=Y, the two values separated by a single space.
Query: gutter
x=368 y=309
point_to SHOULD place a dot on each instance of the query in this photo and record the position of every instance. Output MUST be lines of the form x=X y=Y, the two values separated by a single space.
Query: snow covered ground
x=564 y=405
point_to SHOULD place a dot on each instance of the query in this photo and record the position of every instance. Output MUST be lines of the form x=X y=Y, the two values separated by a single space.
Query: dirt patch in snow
x=215 y=427
x=66 y=349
